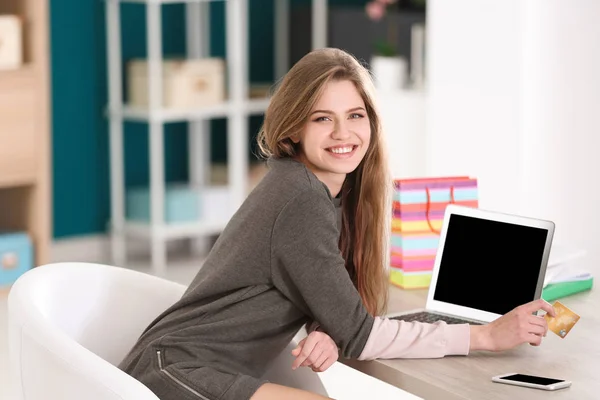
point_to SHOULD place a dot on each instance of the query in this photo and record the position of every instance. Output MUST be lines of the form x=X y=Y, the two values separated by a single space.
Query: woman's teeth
x=341 y=150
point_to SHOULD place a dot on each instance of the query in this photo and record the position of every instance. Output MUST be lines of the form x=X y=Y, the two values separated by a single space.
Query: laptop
x=487 y=263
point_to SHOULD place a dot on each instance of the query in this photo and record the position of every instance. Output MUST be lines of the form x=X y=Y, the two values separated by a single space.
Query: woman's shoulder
x=289 y=184
x=293 y=177
x=304 y=194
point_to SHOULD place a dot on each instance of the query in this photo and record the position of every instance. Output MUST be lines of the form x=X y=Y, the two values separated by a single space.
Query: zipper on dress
x=177 y=381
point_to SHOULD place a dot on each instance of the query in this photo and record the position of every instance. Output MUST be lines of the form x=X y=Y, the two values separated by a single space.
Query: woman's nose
x=341 y=131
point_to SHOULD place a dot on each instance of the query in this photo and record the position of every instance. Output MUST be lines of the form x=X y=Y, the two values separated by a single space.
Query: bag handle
x=429 y=207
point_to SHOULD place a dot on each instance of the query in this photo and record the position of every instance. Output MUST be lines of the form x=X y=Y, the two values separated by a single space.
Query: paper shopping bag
x=417 y=216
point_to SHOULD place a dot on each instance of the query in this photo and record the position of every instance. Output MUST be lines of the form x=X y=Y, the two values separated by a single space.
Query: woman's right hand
x=317 y=350
x=512 y=329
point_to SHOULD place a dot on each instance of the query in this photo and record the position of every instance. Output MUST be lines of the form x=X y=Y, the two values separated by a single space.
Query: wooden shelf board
x=12 y=181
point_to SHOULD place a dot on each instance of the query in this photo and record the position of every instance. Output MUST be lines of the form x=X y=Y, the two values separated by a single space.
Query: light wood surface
x=575 y=358
x=17 y=127
x=25 y=168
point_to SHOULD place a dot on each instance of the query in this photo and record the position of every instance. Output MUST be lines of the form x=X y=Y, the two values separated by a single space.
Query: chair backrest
x=70 y=324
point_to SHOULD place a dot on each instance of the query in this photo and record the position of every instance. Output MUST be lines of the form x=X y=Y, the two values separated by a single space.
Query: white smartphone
x=536 y=382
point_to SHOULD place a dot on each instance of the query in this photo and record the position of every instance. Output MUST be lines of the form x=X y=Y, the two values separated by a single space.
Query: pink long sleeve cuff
x=399 y=339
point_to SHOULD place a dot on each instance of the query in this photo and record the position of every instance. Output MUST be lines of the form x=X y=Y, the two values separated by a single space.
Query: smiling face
x=336 y=135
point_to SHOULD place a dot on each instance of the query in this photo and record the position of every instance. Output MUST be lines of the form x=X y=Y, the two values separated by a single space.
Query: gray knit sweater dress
x=275 y=267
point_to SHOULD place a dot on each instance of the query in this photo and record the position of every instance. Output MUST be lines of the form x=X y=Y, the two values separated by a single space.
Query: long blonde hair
x=365 y=192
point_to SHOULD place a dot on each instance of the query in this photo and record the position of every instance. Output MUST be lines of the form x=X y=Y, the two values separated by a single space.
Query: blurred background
x=127 y=128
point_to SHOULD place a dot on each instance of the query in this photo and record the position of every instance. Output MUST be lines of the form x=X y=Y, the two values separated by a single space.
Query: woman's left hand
x=317 y=350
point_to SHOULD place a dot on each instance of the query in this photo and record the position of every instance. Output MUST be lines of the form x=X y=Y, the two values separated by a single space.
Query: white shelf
x=257 y=106
x=250 y=107
x=236 y=110
x=175 y=231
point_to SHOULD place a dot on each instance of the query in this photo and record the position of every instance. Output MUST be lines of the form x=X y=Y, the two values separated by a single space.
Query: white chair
x=71 y=323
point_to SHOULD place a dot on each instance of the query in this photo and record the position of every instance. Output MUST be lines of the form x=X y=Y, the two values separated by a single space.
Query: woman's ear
x=295 y=138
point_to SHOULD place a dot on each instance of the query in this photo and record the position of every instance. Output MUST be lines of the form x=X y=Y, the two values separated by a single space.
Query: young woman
x=307 y=246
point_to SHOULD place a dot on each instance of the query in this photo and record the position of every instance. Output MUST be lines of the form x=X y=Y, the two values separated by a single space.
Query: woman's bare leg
x=271 y=391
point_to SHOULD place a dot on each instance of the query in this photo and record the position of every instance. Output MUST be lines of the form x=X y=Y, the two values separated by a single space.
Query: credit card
x=564 y=321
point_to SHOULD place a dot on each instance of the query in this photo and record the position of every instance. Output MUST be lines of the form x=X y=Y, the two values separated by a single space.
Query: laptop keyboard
x=429 y=317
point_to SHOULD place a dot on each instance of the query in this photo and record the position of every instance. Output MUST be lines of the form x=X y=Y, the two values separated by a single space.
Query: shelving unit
x=25 y=170
x=236 y=109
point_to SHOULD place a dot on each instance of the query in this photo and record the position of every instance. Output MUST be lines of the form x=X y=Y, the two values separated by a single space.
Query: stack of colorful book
x=564 y=275
x=418 y=213
x=568 y=286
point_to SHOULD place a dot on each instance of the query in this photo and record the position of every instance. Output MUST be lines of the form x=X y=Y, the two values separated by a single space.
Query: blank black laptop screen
x=489 y=265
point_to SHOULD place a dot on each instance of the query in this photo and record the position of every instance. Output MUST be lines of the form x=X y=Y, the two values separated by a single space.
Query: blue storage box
x=182 y=204
x=16 y=256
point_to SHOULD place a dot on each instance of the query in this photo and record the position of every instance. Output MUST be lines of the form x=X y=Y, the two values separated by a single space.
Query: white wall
x=473 y=79
x=514 y=99
x=402 y=115
x=562 y=105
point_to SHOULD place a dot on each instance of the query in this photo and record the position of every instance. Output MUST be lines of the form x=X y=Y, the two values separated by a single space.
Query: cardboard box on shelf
x=186 y=83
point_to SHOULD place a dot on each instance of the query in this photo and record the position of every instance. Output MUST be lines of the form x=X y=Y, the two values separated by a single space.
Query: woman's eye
x=356 y=115
x=320 y=119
